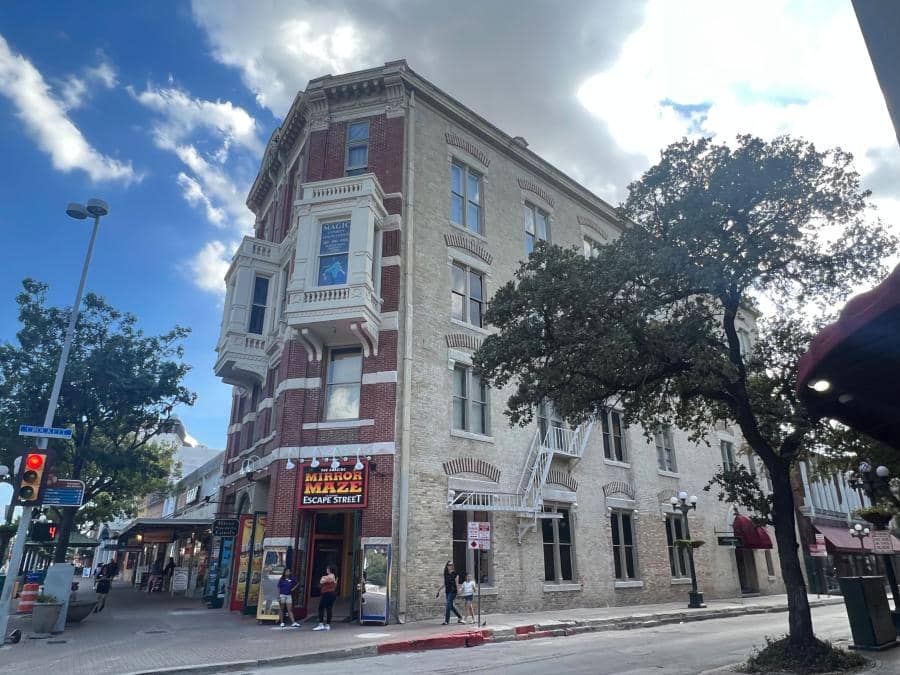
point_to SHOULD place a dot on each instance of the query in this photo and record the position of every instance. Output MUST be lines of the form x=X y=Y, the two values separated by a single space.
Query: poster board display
x=274 y=559
x=242 y=562
x=259 y=533
x=375 y=584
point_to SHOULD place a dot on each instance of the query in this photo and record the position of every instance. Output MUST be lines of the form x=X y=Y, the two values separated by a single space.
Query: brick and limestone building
x=387 y=215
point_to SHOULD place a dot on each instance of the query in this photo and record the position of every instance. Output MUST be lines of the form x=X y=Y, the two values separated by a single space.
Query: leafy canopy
x=125 y=385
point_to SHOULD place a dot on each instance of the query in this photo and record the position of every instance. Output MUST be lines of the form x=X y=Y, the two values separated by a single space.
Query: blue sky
x=163 y=109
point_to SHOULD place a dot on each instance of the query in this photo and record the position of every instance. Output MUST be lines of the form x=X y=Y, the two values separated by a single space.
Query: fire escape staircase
x=528 y=500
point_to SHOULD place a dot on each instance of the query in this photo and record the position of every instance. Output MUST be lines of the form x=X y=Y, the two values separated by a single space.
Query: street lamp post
x=876 y=483
x=685 y=504
x=860 y=532
x=96 y=208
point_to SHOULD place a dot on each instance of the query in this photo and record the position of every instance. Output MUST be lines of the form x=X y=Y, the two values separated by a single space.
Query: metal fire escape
x=528 y=500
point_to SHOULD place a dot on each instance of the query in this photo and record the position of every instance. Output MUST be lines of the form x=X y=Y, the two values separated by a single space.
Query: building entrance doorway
x=746 y=564
x=334 y=540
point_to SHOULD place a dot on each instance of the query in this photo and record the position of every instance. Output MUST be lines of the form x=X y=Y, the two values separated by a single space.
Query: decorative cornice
x=471 y=148
x=618 y=487
x=566 y=480
x=531 y=186
x=464 y=340
x=456 y=240
x=587 y=222
x=472 y=465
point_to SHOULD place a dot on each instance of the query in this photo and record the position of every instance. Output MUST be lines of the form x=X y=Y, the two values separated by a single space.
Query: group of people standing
x=288 y=583
x=457 y=584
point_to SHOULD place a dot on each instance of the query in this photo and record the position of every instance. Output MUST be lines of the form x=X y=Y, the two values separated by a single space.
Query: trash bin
x=868 y=612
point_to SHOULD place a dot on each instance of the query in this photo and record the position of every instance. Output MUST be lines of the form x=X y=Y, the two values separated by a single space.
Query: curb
x=479 y=637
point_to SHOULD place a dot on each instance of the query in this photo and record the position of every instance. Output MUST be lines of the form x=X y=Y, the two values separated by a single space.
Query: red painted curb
x=448 y=641
x=522 y=630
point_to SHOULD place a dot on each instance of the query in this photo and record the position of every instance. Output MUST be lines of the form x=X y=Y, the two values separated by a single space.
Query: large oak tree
x=650 y=323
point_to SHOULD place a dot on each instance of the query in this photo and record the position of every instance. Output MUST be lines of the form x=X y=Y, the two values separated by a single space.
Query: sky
x=163 y=110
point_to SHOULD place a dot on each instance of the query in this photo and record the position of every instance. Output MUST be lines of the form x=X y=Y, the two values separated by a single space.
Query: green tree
x=119 y=392
x=651 y=323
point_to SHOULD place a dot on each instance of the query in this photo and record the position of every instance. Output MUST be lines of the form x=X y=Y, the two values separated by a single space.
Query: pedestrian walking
x=451 y=588
x=168 y=572
x=468 y=592
x=102 y=586
x=286 y=585
x=328 y=587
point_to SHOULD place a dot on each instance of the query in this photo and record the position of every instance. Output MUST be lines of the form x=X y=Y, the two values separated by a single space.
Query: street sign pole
x=478 y=577
x=22 y=533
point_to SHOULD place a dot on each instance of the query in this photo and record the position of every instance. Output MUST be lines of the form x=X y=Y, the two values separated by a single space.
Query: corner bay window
x=665 y=450
x=613 y=438
x=558 y=554
x=463 y=556
x=334 y=250
x=469 y=401
x=357 y=148
x=465 y=197
x=467 y=295
x=343 y=384
x=258 y=306
x=622 y=524
x=678 y=561
x=535 y=227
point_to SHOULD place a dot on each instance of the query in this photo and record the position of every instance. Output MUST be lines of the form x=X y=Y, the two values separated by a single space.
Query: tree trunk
x=799 y=617
x=66 y=525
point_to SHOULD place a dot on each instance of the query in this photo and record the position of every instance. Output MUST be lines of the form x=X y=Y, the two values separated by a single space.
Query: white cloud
x=193 y=194
x=75 y=89
x=46 y=121
x=210 y=264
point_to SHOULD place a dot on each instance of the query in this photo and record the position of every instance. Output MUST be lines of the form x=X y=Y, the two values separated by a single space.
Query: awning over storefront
x=840 y=540
x=162 y=530
x=851 y=370
x=750 y=535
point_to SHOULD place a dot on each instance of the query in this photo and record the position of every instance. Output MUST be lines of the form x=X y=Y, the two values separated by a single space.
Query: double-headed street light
x=685 y=504
x=860 y=532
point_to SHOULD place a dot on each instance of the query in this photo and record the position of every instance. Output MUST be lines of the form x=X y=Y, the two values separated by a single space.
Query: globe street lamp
x=684 y=504
x=860 y=532
x=97 y=208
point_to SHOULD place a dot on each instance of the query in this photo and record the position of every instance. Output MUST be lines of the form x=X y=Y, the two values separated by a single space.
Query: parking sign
x=479 y=536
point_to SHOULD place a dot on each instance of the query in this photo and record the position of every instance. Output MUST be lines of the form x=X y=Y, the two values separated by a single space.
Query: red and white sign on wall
x=817 y=550
x=322 y=487
x=480 y=536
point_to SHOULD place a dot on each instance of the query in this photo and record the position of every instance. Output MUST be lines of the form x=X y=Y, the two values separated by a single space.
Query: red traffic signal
x=34 y=461
x=32 y=478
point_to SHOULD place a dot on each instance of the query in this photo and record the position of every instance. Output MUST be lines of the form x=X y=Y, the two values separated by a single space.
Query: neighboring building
x=387 y=215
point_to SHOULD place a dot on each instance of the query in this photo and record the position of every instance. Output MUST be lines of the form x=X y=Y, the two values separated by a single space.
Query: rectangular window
x=343 y=384
x=258 y=306
x=559 y=556
x=678 y=556
x=465 y=197
x=535 y=227
x=623 y=545
x=357 y=148
x=548 y=419
x=727 y=448
x=770 y=566
x=591 y=248
x=334 y=251
x=464 y=558
x=665 y=450
x=470 y=404
x=613 y=438
x=467 y=295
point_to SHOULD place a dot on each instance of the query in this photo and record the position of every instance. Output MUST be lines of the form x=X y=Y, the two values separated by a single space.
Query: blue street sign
x=64 y=492
x=46 y=432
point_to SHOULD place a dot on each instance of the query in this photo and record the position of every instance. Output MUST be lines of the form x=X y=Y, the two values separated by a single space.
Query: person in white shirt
x=468 y=593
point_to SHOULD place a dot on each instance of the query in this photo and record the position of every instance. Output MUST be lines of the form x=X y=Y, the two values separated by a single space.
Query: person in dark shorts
x=102 y=586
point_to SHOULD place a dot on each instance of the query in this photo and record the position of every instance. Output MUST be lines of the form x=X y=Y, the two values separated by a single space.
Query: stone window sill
x=681 y=581
x=630 y=584
x=551 y=587
x=773 y=578
x=668 y=474
x=615 y=462
x=470 y=326
x=471 y=436
x=339 y=424
x=467 y=231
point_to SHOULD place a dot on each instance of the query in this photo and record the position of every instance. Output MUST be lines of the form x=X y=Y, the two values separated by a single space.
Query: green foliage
x=125 y=383
x=781 y=656
x=739 y=486
x=376 y=568
x=44 y=599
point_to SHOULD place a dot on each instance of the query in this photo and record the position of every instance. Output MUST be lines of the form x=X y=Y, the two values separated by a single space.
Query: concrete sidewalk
x=140 y=633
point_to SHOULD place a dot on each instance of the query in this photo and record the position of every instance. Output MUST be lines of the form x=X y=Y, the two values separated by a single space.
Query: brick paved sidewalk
x=139 y=632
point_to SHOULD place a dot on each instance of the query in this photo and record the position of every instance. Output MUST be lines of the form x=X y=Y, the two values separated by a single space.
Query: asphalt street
x=677 y=649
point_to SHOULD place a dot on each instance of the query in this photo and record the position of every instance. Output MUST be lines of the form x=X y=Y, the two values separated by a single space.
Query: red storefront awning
x=750 y=535
x=856 y=363
x=841 y=540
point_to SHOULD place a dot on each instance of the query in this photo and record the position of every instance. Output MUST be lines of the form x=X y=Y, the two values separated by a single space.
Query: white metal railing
x=474 y=500
x=568 y=442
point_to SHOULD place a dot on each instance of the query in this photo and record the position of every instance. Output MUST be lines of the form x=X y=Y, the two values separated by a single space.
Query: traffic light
x=32 y=478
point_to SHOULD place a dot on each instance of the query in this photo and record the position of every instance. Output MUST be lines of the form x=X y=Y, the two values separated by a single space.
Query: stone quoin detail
x=531 y=186
x=472 y=465
x=463 y=144
x=456 y=240
x=563 y=479
x=618 y=487
x=463 y=340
